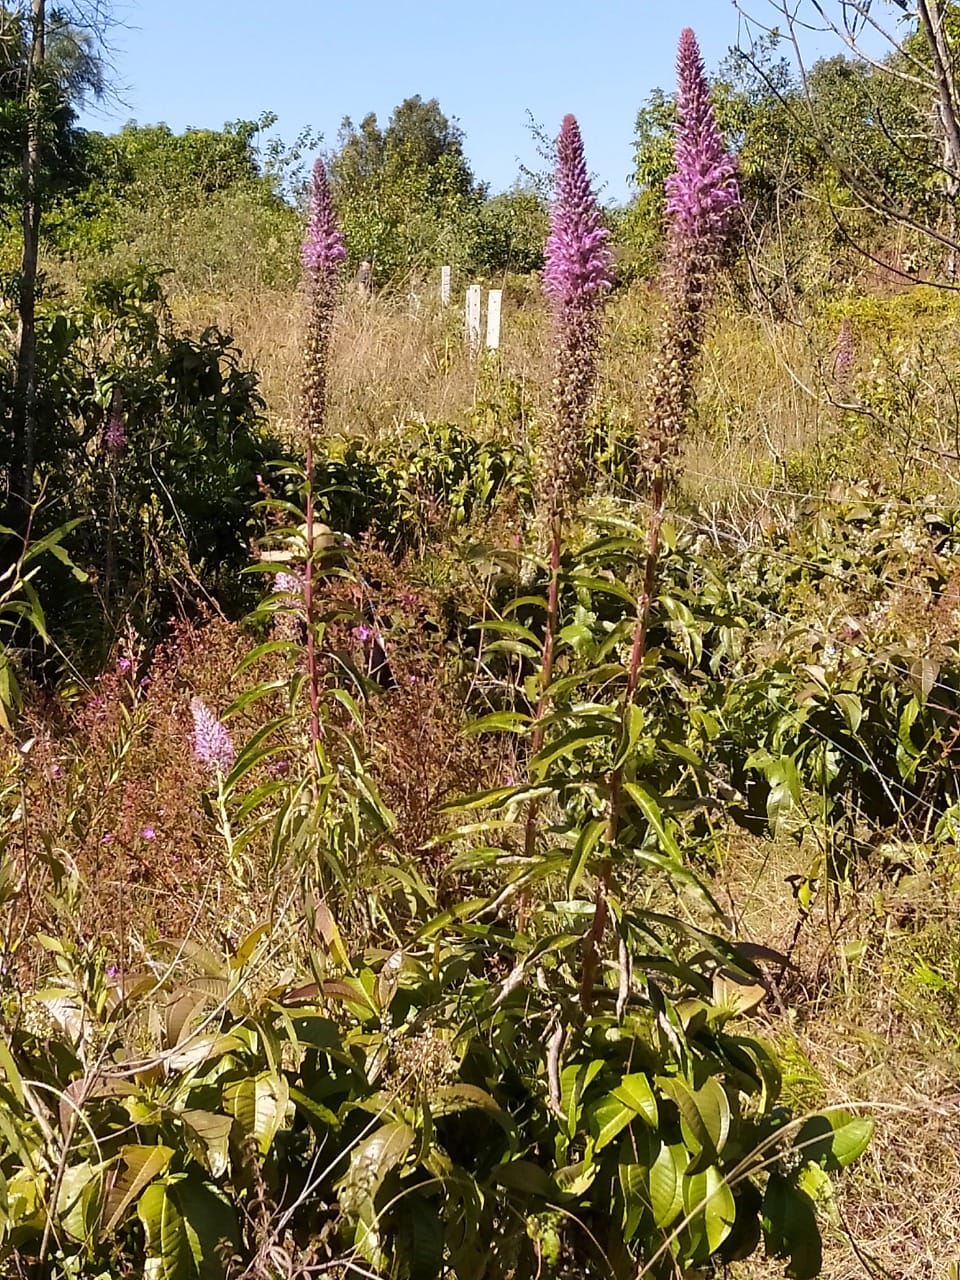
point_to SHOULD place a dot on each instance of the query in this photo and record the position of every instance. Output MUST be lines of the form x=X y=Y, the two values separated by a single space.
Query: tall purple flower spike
x=576 y=278
x=702 y=192
x=323 y=249
x=702 y=203
x=322 y=254
x=212 y=744
x=577 y=260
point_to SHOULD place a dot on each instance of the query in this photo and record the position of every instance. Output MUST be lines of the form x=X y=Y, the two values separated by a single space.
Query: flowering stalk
x=576 y=279
x=844 y=357
x=322 y=255
x=703 y=200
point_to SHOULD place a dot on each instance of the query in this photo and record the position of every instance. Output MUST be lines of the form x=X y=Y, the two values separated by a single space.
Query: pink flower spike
x=212 y=744
x=702 y=192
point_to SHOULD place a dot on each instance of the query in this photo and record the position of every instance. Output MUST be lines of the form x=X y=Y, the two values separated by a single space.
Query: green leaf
x=649 y=805
x=141 y=1165
x=636 y=1092
x=790 y=1228
x=708 y=1200
x=370 y=1162
x=605 y=1119
x=258 y=1104
x=587 y=841
x=208 y=1137
x=834 y=1139
x=500 y=722
x=665 y=1181
x=169 y=1253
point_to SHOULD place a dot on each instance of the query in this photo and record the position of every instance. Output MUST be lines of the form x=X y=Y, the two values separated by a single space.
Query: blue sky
x=201 y=62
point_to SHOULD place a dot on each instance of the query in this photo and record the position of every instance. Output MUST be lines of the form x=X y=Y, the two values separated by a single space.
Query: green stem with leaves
x=591 y=958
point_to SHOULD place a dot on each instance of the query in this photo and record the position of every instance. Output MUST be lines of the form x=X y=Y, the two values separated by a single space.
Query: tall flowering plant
x=703 y=200
x=322 y=255
x=576 y=279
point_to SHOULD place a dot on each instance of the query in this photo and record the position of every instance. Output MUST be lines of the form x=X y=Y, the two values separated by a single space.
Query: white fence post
x=472 y=316
x=444 y=286
x=494 y=300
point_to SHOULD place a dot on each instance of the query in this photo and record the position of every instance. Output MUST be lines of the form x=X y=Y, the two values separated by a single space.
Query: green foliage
x=424 y=475
x=405 y=195
x=171 y=517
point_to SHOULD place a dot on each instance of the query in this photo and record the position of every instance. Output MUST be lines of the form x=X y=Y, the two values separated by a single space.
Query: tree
x=49 y=64
x=405 y=195
x=885 y=116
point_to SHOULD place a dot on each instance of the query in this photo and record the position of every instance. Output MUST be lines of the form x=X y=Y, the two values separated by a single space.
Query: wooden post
x=494 y=300
x=472 y=316
x=444 y=286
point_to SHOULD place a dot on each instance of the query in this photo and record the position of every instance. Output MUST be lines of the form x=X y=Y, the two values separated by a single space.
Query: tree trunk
x=25 y=388
x=931 y=14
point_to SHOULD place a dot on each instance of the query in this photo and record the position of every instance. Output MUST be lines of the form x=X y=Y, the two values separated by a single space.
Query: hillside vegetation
x=483 y=813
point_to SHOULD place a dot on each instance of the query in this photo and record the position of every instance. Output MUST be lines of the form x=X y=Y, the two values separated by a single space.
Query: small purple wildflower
x=111 y=971
x=289 y=584
x=363 y=632
x=212 y=744
x=106 y=838
x=124 y=665
x=149 y=833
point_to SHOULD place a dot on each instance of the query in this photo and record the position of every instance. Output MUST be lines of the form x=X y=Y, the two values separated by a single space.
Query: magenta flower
x=149 y=833
x=212 y=744
x=702 y=192
x=576 y=278
x=363 y=632
x=577 y=259
x=323 y=249
x=115 y=435
x=323 y=252
x=702 y=203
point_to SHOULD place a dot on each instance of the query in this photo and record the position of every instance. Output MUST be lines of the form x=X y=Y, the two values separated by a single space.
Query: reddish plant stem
x=312 y=680
x=546 y=677
x=591 y=956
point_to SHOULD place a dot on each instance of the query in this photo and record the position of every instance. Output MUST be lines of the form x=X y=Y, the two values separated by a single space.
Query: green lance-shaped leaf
x=790 y=1228
x=141 y=1164
x=665 y=1181
x=370 y=1162
x=709 y=1202
x=258 y=1104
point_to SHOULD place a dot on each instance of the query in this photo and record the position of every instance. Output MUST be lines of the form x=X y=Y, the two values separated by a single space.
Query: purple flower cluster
x=323 y=249
x=212 y=744
x=323 y=252
x=576 y=278
x=115 y=435
x=577 y=259
x=702 y=192
x=702 y=202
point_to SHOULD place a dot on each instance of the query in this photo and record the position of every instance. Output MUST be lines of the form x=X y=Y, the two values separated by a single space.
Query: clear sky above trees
x=312 y=62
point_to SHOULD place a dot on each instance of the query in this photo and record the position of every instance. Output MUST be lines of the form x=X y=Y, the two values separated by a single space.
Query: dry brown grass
x=863 y=1024
x=393 y=359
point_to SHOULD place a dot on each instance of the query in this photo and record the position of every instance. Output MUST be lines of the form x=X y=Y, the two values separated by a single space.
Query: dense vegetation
x=481 y=814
